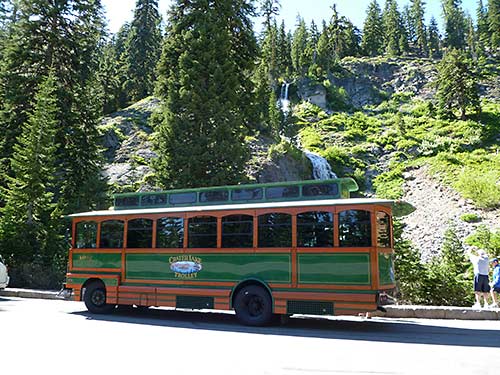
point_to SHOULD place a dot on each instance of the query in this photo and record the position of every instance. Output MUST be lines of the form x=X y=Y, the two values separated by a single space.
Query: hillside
x=374 y=120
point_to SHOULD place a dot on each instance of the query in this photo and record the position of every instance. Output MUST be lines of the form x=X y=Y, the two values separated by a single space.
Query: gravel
x=438 y=207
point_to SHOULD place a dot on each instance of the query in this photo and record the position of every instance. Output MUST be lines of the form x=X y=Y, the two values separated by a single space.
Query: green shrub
x=338 y=158
x=409 y=271
x=356 y=135
x=310 y=139
x=470 y=218
x=337 y=98
x=485 y=239
x=284 y=148
x=445 y=280
x=423 y=109
x=138 y=160
x=39 y=274
x=406 y=144
x=359 y=176
x=449 y=274
x=390 y=184
x=480 y=186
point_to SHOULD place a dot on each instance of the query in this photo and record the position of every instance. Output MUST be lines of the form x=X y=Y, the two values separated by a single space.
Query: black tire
x=253 y=306
x=95 y=299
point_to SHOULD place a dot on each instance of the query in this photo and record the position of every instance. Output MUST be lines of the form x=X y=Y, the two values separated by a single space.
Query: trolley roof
x=338 y=188
x=244 y=206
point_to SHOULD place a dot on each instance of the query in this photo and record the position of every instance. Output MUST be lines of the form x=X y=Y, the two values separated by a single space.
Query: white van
x=4 y=276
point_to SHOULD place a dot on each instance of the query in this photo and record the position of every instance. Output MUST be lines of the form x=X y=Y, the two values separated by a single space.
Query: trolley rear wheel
x=95 y=299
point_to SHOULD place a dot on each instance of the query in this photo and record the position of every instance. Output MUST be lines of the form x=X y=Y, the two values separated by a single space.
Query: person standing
x=495 y=283
x=481 y=279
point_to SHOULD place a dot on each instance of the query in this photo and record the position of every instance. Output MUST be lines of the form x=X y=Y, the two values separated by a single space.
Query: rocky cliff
x=366 y=141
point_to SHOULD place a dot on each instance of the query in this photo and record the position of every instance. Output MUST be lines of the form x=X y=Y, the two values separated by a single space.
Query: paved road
x=59 y=337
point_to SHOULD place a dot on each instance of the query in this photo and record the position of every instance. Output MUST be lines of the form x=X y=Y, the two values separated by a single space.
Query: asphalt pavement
x=56 y=337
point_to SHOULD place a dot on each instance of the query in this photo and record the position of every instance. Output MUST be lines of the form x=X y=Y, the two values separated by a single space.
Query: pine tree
x=409 y=271
x=325 y=51
x=313 y=35
x=300 y=59
x=417 y=11
x=395 y=36
x=269 y=9
x=409 y=24
x=494 y=23
x=61 y=37
x=456 y=85
x=433 y=39
x=404 y=46
x=28 y=215
x=208 y=56
x=312 y=50
x=284 y=52
x=270 y=54
x=338 y=39
x=143 y=49
x=447 y=274
x=372 y=40
x=275 y=116
x=483 y=35
x=455 y=26
x=120 y=42
x=472 y=39
x=268 y=69
x=352 y=38
x=109 y=78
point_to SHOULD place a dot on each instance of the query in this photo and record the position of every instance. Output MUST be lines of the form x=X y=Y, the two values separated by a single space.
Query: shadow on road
x=380 y=329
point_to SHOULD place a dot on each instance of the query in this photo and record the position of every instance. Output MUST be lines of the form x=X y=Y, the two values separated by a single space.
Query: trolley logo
x=185 y=266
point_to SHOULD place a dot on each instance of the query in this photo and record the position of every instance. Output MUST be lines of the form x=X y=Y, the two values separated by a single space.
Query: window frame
x=388 y=212
x=155 y=230
x=187 y=233
x=120 y=219
x=293 y=223
x=128 y=229
x=369 y=210
x=330 y=211
x=74 y=242
x=251 y=219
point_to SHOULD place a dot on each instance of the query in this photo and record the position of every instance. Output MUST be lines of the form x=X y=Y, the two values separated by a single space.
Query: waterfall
x=321 y=168
x=284 y=102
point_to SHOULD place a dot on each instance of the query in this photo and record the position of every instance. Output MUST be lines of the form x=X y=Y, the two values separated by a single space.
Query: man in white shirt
x=481 y=279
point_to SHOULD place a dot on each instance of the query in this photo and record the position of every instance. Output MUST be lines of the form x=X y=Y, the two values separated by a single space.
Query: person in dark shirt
x=495 y=283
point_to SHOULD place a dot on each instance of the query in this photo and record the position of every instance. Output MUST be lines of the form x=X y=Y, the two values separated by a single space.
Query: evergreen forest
x=382 y=104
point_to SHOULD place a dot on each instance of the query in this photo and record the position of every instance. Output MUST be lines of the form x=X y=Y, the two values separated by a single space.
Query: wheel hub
x=98 y=298
x=255 y=306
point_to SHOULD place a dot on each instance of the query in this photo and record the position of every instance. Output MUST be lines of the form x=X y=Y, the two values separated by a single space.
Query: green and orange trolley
x=262 y=250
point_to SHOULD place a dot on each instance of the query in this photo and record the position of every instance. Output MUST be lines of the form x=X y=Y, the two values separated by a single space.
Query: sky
x=120 y=11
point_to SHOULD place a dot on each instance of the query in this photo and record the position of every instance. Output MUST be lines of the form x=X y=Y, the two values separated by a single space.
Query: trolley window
x=355 y=228
x=170 y=232
x=140 y=233
x=315 y=229
x=111 y=234
x=86 y=235
x=202 y=232
x=237 y=231
x=275 y=230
